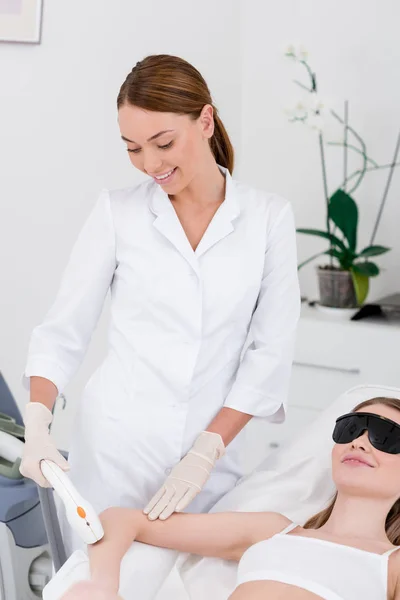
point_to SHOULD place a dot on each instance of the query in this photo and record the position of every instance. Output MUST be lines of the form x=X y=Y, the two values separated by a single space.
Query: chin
x=359 y=477
x=356 y=485
x=173 y=189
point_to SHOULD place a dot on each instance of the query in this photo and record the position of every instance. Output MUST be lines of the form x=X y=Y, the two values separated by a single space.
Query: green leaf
x=373 y=251
x=345 y=257
x=332 y=252
x=335 y=253
x=324 y=234
x=305 y=262
x=343 y=212
x=367 y=268
x=361 y=286
x=341 y=257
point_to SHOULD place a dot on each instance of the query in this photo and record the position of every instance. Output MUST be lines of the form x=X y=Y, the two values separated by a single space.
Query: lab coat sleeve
x=58 y=345
x=262 y=381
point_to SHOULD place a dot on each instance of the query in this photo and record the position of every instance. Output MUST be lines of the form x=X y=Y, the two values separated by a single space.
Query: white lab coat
x=179 y=321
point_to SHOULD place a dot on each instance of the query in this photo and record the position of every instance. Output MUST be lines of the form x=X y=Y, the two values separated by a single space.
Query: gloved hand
x=187 y=478
x=38 y=443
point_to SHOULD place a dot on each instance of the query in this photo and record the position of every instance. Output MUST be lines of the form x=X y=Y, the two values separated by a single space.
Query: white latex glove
x=187 y=478
x=38 y=443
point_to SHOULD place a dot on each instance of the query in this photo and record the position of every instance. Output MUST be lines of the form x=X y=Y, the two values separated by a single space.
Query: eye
x=166 y=146
x=134 y=151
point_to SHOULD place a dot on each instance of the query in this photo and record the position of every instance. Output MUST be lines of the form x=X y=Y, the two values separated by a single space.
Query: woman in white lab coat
x=194 y=261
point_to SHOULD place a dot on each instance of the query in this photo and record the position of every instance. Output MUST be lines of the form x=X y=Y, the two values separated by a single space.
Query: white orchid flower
x=290 y=52
x=316 y=103
x=301 y=110
x=316 y=122
x=296 y=52
x=297 y=112
x=302 y=53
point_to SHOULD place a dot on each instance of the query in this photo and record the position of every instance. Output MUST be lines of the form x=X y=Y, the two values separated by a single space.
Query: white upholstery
x=295 y=480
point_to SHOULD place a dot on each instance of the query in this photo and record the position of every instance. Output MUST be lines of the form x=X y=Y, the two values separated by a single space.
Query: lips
x=164 y=175
x=356 y=459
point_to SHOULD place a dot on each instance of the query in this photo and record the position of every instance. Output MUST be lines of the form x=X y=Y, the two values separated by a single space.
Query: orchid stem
x=325 y=182
x=386 y=190
x=346 y=121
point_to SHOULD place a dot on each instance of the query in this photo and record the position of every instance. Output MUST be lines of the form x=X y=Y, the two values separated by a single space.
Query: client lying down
x=346 y=552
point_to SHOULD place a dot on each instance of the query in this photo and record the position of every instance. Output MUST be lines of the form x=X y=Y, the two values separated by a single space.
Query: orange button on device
x=81 y=512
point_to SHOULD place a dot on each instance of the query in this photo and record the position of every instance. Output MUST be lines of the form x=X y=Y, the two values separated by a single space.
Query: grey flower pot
x=336 y=288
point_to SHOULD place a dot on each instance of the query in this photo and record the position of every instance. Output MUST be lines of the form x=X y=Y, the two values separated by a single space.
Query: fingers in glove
x=31 y=470
x=162 y=504
x=61 y=461
x=155 y=499
x=186 y=500
x=171 y=507
x=53 y=455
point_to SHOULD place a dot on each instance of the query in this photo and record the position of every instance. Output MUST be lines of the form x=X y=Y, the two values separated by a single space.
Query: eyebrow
x=153 y=137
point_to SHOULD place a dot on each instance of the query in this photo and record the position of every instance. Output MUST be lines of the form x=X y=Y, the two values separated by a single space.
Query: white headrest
x=295 y=481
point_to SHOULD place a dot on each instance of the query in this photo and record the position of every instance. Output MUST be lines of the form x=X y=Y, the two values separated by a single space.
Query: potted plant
x=344 y=280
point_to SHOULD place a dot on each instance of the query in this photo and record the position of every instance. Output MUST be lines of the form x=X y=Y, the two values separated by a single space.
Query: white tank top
x=329 y=570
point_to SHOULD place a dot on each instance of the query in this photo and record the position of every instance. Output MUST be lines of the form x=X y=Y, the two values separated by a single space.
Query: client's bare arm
x=222 y=535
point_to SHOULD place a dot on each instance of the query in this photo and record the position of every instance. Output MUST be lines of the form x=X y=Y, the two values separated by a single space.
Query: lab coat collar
x=167 y=221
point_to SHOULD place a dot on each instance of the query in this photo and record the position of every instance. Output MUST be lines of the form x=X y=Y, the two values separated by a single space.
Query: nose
x=362 y=442
x=151 y=162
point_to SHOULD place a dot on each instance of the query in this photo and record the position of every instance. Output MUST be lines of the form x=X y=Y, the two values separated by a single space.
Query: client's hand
x=89 y=590
x=187 y=478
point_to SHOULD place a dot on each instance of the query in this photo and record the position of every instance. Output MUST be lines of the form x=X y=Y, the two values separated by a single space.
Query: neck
x=207 y=188
x=357 y=517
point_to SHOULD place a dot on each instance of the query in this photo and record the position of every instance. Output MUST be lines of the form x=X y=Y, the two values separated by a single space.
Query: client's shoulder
x=394 y=574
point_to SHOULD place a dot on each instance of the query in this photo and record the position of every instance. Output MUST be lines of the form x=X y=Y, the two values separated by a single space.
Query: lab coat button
x=168 y=471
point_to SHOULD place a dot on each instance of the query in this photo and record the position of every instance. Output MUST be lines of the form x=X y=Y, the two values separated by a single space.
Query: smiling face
x=359 y=468
x=172 y=148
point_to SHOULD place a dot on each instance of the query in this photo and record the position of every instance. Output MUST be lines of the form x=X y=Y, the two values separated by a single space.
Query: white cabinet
x=315 y=386
x=332 y=355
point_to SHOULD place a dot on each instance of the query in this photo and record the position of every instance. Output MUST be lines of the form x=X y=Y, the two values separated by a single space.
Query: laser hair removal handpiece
x=80 y=514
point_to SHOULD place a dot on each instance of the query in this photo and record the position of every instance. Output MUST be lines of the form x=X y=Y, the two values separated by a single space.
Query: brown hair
x=392 y=524
x=166 y=83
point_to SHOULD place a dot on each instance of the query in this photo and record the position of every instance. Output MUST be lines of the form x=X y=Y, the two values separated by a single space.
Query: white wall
x=59 y=142
x=354 y=49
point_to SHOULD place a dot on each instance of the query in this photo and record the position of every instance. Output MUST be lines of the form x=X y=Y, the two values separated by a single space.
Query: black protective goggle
x=383 y=433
